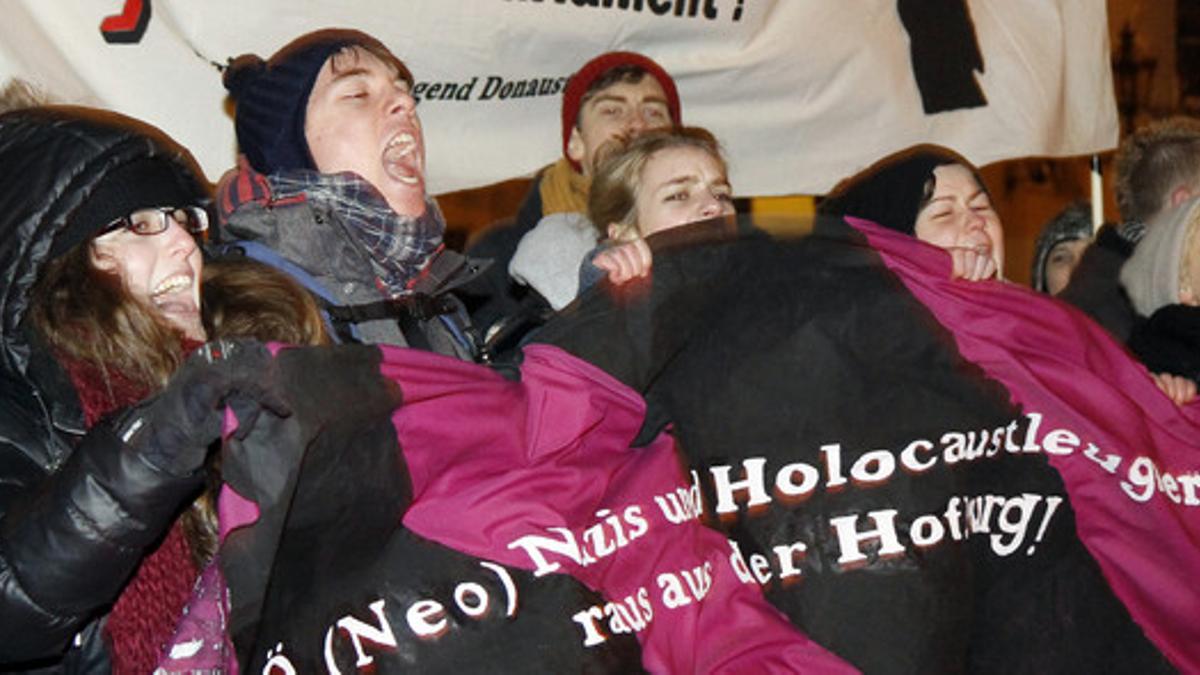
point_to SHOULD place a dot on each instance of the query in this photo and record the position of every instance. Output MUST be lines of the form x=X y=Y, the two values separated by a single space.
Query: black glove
x=337 y=383
x=173 y=429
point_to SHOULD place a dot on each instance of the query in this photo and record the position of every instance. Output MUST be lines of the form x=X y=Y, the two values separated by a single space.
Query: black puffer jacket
x=77 y=511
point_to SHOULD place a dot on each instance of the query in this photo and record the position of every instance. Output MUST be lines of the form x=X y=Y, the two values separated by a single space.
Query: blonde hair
x=612 y=199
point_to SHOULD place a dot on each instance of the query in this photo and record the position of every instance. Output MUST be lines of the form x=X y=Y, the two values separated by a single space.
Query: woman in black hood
x=106 y=421
x=935 y=195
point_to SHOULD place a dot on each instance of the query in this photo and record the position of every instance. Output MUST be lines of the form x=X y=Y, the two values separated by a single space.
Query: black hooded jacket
x=78 y=510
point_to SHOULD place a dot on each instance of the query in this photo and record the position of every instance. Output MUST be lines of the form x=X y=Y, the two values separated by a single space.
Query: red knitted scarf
x=144 y=616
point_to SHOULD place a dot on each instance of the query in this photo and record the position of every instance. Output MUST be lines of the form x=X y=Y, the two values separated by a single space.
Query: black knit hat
x=142 y=183
x=271 y=96
x=892 y=191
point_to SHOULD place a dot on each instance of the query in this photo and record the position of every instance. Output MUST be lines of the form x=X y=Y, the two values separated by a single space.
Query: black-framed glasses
x=153 y=220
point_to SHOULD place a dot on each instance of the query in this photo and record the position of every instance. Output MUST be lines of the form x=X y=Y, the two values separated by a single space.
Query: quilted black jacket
x=77 y=511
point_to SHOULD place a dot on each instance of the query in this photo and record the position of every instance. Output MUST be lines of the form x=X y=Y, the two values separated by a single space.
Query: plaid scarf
x=398 y=246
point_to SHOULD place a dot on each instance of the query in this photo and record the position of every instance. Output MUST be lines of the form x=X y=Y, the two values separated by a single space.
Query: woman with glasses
x=107 y=414
x=154 y=252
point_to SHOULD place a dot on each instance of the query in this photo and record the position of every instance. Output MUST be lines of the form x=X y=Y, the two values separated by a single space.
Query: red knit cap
x=597 y=68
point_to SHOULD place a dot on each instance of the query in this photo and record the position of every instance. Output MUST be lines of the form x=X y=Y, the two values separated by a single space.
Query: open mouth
x=174 y=294
x=402 y=159
x=173 y=284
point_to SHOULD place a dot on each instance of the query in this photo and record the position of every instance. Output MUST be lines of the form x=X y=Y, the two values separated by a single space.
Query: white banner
x=801 y=92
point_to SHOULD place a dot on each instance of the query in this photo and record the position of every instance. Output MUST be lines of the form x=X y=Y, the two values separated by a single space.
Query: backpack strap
x=417 y=305
x=342 y=320
x=341 y=331
x=408 y=311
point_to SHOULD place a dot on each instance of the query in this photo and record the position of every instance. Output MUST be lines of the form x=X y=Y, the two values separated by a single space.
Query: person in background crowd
x=332 y=190
x=609 y=100
x=661 y=180
x=1158 y=168
x=935 y=195
x=106 y=421
x=1059 y=248
x=1162 y=279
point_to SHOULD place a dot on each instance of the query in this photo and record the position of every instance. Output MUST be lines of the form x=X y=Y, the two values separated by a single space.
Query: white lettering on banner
x=761 y=568
x=1009 y=524
x=1060 y=442
x=873 y=468
x=629 y=615
x=752 y=469
x=426 y=618
x=589 y=620
x=510 y=588
x=278 y=663
x=927 y=531
x=787 y=560
x=863 y=539
x=849 y=537
x=787 y=487
x=788 y=556
x=683 y=504
x=911 y=462
x=796 y=481
x=832 y=454
x=380 y=635
x=695 y=584
x=599 y=541
x=1023 y=508
x=1144 y=479
x=1110 y=463
x=634 y=612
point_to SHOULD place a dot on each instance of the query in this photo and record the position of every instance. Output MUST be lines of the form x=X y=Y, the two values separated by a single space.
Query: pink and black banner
x=815 y=454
